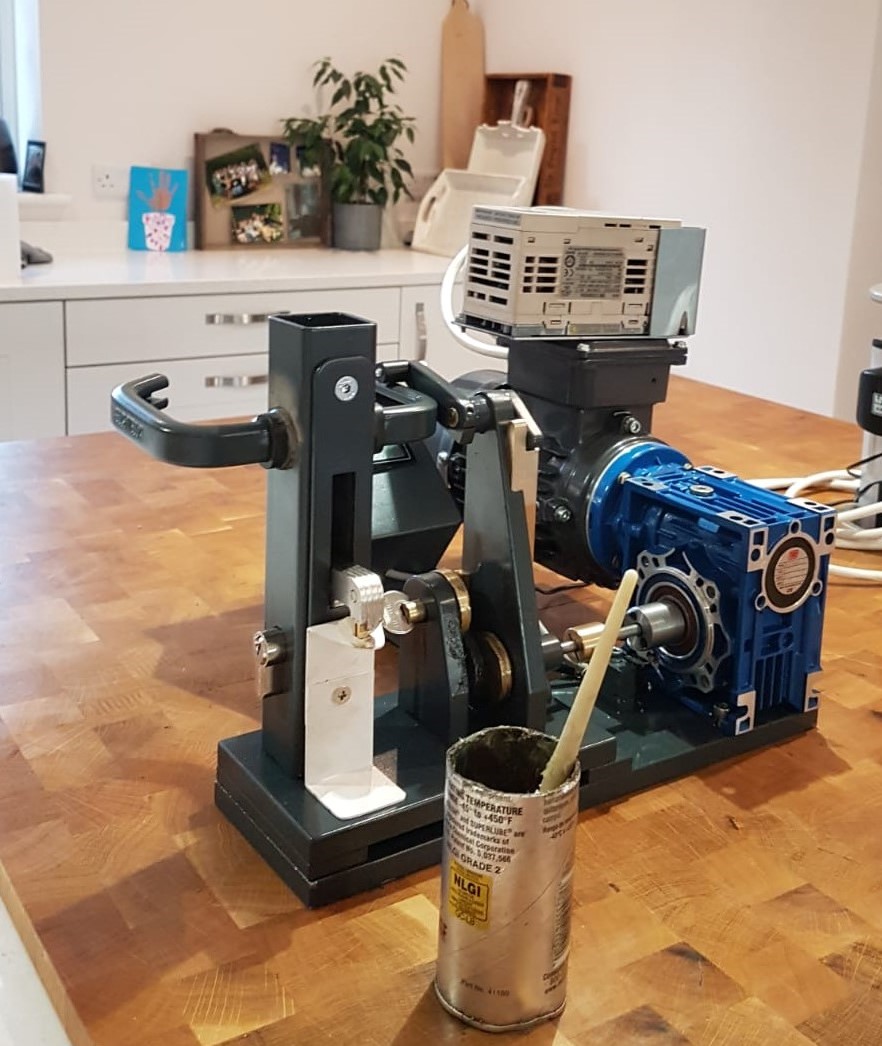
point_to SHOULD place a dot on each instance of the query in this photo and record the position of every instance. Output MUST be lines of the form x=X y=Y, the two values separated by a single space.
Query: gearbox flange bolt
x=720 y=711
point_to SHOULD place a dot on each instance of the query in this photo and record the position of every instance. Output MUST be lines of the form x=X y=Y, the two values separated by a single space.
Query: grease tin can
x=506 y=881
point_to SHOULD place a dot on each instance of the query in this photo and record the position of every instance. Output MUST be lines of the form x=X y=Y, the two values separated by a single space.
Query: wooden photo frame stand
x=249 y=193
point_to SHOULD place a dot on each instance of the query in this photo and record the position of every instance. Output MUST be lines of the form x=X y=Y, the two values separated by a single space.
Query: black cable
x=852 y=471
x=554 y=589
x=863 y=461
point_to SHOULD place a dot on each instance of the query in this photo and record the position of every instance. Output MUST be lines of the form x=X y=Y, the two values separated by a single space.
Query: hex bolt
x=720 y=711
x=341 y=695
x=346 y=388
x=268 y=648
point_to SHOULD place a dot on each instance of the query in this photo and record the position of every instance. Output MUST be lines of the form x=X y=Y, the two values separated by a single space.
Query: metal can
x=506 y=881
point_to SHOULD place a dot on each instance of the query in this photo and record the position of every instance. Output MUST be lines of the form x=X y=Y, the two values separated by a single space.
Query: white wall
x=130 y=83
x=750 y=118
x=862 y=318
x=747 y=118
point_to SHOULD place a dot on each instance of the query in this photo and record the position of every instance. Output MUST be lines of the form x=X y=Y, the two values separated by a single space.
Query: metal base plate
x=324 y=859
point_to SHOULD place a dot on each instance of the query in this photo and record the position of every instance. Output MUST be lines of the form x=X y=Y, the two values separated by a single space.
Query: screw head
x=563 y=514
x=341 y=695
x=452 y=417
x=267 y=651
x=346 y=388
x=631 y=425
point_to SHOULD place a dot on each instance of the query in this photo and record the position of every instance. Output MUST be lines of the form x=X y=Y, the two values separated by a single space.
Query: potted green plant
x=356 y=146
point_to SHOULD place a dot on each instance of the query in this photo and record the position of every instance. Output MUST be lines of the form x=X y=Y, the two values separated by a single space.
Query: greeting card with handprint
x=157 y=209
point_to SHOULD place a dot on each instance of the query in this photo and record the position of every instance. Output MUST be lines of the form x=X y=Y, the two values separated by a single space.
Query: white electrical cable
x=782 y=482
x=497 y=352
x=848 y=536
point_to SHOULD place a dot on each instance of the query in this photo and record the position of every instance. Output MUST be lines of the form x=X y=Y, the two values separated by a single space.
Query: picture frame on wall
x=32 y=176
x=250 y=192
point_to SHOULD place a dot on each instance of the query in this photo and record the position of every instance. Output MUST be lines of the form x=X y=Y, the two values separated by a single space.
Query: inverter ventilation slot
x=541 y=274
x=636 y=274
x=490 y=265
x=490 y=268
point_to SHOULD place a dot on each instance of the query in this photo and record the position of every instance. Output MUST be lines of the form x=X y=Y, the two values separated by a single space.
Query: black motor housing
x=591 y=400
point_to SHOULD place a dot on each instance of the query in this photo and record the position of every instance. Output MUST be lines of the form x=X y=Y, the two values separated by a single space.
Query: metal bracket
x=339 y=724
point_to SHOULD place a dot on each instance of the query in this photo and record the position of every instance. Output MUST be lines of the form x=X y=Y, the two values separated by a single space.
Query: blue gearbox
x=746 y=568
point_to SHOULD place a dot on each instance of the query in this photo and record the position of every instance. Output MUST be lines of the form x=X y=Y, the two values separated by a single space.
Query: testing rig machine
x=372 y=469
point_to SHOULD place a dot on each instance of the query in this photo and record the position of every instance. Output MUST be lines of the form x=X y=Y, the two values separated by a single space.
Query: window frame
x=8 y=80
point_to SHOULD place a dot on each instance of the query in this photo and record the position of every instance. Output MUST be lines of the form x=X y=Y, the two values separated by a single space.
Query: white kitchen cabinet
x=72 y=331
x=124 y=330
x=424 y=335
x=198 y=390
x=212 y=348
x=31 y=370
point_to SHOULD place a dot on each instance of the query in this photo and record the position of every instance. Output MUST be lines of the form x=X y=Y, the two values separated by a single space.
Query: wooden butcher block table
x=741 y=905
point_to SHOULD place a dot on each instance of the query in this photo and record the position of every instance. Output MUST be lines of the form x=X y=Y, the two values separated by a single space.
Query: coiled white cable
x=497 y=352
x=848 y=535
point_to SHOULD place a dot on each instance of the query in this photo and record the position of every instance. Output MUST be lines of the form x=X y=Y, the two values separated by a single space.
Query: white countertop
x=124 y=273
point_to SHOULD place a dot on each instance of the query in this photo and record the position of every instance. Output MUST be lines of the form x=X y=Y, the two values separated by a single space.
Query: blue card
x=157 y=209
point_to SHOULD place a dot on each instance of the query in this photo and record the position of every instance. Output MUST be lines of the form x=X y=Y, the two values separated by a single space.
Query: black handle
x=465 y=415
x=137 y=413
x=402 y=415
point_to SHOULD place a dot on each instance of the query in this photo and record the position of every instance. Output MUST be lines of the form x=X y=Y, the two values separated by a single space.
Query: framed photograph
x=261 y=223
x=250 y=192
x=34 y=164
x=303 y=210
x=236 y=174
x=280 y=158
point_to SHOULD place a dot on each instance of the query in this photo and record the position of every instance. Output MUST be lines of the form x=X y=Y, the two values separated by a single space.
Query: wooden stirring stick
x=566 y=751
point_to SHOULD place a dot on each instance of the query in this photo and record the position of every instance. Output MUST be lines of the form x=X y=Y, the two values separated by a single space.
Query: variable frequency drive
x=554 y=271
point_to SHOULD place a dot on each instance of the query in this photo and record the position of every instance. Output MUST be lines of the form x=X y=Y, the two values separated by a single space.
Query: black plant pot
x=358 y=226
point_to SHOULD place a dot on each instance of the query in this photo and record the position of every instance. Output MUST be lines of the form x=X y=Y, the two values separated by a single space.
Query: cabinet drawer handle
x=235 y=381
x=422 y=333
x=234 y=319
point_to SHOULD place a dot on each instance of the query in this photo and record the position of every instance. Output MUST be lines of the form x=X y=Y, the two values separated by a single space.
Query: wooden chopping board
x=462 y=82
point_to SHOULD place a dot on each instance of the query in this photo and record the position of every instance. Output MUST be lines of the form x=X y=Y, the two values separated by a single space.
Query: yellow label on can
x=468 y=895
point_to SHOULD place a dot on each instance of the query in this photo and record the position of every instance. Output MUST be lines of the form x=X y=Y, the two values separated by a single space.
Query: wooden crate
x=549 y=100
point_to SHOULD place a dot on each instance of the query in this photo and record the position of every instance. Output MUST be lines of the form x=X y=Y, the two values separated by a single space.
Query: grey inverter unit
x=558 y=272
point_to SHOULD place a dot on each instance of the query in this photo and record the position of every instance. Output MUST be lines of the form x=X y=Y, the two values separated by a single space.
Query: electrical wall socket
x=110 y=183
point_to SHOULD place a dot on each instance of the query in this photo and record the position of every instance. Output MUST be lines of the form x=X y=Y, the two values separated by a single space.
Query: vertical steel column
x=871 y=473
x=321 y=371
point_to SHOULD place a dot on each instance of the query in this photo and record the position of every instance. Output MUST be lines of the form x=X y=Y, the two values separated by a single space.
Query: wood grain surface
x=740 y=906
